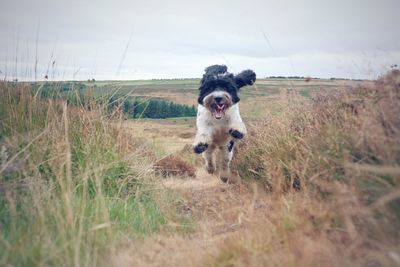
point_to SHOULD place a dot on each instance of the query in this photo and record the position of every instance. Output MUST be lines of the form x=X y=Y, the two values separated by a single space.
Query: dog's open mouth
x=219 y=111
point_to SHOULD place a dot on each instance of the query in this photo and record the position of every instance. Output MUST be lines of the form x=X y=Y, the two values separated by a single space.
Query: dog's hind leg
x=225 y=157
x=209 y=158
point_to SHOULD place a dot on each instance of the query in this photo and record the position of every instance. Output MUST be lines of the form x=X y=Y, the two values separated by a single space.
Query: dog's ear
x=201 y=98
x=246 y=77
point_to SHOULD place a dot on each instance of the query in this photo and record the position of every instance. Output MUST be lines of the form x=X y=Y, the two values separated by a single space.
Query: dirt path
x=218 y=211
x=203 y=181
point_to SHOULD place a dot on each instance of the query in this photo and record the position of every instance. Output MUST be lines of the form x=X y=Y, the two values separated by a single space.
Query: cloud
x=179 y=38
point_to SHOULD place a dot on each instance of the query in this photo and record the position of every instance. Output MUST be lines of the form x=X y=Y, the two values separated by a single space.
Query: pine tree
x=154 y=108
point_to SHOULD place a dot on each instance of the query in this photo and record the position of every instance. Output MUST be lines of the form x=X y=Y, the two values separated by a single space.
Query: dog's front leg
x=237 y=129
x=204 y=132
x=201 y=142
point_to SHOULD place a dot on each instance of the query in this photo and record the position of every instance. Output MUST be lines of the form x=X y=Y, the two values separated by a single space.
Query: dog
x=218 y=121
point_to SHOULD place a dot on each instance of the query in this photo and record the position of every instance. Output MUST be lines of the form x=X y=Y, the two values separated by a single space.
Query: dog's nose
x=218 y=99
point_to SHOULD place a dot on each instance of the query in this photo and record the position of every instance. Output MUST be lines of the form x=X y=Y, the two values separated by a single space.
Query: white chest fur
x=216 y=131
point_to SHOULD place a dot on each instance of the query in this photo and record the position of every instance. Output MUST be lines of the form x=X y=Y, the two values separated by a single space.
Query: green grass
x=305 y=93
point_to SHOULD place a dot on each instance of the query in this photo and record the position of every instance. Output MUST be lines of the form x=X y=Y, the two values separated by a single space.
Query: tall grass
x=332 y=167
x=73 y=184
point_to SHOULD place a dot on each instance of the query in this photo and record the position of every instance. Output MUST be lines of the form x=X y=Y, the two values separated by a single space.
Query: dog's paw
x=200 y=148
x=236 y=134
x=210 y=169
x=228 y=179
x=224 y=179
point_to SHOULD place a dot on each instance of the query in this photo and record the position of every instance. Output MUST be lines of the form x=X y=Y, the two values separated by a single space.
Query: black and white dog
x=218 y=118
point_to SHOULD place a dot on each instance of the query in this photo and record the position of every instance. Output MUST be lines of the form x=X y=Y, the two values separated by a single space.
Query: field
x=257 y=103
x=256 y=100
x=317 y=179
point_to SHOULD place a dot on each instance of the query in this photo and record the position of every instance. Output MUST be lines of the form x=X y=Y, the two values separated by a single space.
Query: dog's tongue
x=219 y=111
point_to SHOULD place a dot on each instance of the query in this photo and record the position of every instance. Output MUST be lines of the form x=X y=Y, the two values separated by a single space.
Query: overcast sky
x=175 y=39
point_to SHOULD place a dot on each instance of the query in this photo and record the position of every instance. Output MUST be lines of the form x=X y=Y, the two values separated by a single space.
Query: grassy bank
x=72 y=184
x=331 y=167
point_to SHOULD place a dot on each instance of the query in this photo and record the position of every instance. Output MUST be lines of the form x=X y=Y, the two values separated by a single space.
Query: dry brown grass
x=341 y=150
x=344 y=149
x=165 y=136
x=320 y=187
x=174 y=165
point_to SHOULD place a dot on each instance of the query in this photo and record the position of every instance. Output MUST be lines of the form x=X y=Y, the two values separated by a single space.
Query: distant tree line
x=290 y=77
x=309 y=78
x=153 y=108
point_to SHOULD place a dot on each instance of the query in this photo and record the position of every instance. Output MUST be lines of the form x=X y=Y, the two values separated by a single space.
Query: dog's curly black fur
x=217 y=77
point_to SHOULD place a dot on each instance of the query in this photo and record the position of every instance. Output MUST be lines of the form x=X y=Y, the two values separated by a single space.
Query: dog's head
x=219 y=88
